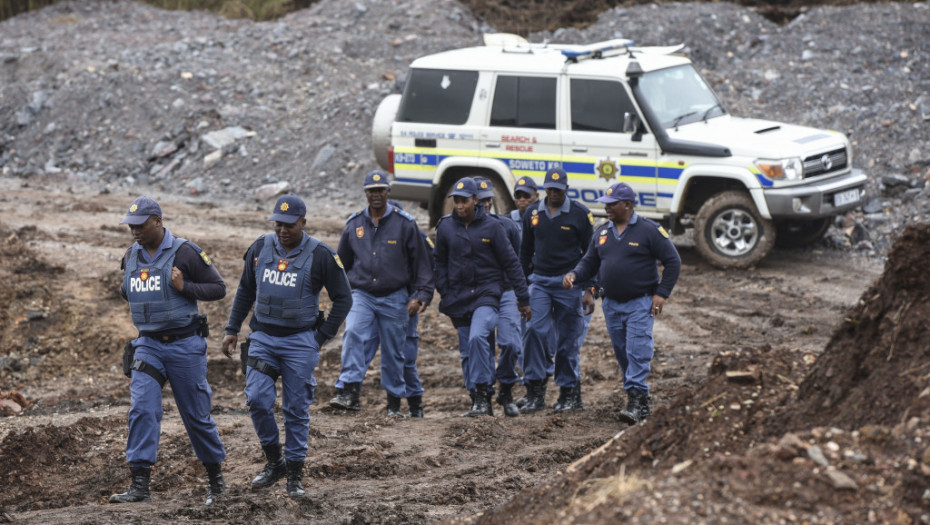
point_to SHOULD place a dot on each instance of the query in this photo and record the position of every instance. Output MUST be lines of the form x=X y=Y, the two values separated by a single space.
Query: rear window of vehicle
x=524 y=102
x=438 y=96
x=599 y=105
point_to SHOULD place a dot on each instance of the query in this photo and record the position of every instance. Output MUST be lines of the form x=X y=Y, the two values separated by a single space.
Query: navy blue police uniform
x=287 y=330
x=385 y=261
x=171 y=347
x=626 y=271
x=474 y=265
x=552 y=245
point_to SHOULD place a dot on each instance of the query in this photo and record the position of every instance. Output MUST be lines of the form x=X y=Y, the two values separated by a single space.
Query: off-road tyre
x=730 y=233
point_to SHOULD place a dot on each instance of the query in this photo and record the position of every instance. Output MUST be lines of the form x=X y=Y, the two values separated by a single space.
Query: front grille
x=816 y=165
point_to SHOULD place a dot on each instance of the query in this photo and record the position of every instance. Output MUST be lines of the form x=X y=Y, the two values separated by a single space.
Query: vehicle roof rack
x=596 y=50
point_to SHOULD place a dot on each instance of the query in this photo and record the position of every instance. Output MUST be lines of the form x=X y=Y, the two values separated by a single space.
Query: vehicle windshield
x=679 y=95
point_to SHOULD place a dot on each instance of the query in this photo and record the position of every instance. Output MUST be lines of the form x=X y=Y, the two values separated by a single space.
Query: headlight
x=784 y=169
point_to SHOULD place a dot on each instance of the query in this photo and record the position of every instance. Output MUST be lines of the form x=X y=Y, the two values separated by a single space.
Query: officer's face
x=523 y=200
x=619 y=212
x=289 y=235
x=487 y=204
x=465 y=207
x=555 y=196
x=149 y=233
x=377 y=197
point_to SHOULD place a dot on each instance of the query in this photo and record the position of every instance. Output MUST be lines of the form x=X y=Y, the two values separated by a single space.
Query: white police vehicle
x=610 y=112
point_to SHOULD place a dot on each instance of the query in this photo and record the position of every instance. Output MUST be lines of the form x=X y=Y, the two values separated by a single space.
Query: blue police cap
x=465 y=188
x=620 y=191
x=140 y=210
x=377 y=179
x=485 y=188
x=288 y=209
x=526 y=185
x=556 y=178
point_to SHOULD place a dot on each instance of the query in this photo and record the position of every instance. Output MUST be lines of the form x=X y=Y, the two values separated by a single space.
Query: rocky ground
x=795 y=391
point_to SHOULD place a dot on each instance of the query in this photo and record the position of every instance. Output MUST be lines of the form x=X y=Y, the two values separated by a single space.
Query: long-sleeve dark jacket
x=552 y=246
x=324 y=271
x=625 y=264
x=474 y=265
x=385 y=258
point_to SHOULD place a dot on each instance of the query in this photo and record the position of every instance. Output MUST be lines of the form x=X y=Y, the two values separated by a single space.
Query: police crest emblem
x=534 y=220
x=607 y=168
x=360 y=232
x=282 y=264
x=144 y=274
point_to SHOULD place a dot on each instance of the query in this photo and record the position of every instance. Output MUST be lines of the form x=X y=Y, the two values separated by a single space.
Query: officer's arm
x=671 y=264
x=587 y=267
x=327 y=272
x=441 y=256
x=245 y=294
x=421 y=264
x=528 y=244
x=202 y=281
x=346 y=254
x=122 y=283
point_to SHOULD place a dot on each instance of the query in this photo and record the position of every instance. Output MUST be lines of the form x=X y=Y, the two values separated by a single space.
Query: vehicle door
x=597 y=152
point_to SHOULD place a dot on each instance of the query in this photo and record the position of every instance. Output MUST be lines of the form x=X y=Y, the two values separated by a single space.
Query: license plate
x=846 y=197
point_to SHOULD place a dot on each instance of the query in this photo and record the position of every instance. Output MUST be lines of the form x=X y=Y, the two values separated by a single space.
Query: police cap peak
x=620 y=191
x=465 y=188
x=526 y=185
x=288 y=209
x=140 y=210
x=485 y=187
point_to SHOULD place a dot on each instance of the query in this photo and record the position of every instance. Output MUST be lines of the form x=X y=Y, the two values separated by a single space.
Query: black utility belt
x=628 y=298
x=169 y=338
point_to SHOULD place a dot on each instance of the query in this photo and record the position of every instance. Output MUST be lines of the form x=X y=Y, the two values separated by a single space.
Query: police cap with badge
x=485 y=188
x=556 y=178
x=619 y=191
x=375 y=180
x=288 y=209
x=140 y=210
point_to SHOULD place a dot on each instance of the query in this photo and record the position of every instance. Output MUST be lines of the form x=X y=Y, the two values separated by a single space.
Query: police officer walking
x=474 y=264
x=556 y=233
x=509 y=324
x=387 y=261
x=283 y=276
x=525 y=193
x=164 y=278
x=623 y=255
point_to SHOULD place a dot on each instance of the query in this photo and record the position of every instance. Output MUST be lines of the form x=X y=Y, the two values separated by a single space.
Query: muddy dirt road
x=62 y=327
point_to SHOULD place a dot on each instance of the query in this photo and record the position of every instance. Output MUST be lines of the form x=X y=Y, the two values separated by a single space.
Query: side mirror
x=632 y=124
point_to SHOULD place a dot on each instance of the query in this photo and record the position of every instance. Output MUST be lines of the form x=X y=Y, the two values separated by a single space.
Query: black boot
x=415 y=403
x=522 y=401
x=632 y=414
x=564 y=401
x=536 y=400
x=295 y=472
x=138 y=489
x=576 y=397
x=481 y=405
x=644 y=410
x=489 y=394
x=217 y=485
x=393 y=406
x=274 y=469
x=348 y=397
x=505 y=399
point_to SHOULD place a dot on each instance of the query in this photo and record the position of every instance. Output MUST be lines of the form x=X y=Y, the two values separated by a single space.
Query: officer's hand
x=525 y=313
x=229 y=342
x=177 y=278
x=568 y=282
x=415 y=306
x=588 y=302
x=658 y=302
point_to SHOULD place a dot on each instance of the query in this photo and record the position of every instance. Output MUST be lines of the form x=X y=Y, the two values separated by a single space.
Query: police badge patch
x=144 y=274
x=282 y=264
x=360 y=232
x=206 y=258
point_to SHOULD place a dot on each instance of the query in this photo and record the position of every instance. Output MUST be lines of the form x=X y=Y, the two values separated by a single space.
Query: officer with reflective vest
x=414 y=392
x=164 y=278
x=387 y=261
x=282 y=277
x=556 y=233
x=623 y=255
x=475 y=262
x=509 y=324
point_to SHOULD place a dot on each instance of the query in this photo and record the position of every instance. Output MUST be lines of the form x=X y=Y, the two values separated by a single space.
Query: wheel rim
x=734 y=232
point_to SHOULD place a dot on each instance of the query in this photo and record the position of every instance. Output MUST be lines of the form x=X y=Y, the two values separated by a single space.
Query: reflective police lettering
x=152 y=284
x=280 y=278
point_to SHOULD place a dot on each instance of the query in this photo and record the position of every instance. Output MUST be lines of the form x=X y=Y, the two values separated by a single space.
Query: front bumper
x=817 y=199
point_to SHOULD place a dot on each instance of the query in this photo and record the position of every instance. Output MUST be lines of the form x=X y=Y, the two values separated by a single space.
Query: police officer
x=164 y=278
x=474 y=263
x=385 y=256
x=414 y=393
x=282 y=276
x=623 y=254
x=556 y=233
x=509 y=323
x=525 y=193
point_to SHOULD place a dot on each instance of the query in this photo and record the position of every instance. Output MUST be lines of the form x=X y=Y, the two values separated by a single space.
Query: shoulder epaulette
x=403 y=214
x=354 y=215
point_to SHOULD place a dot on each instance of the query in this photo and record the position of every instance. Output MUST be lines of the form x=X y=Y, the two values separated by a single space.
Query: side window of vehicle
x=524 y=102
x=599 y=105
x=438 y=96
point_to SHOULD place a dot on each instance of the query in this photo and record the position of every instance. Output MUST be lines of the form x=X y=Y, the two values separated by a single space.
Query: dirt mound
x=875 y=369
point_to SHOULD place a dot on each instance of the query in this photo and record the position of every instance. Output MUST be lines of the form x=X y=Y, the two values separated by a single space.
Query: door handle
x=492 y=144
x=579 y=149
